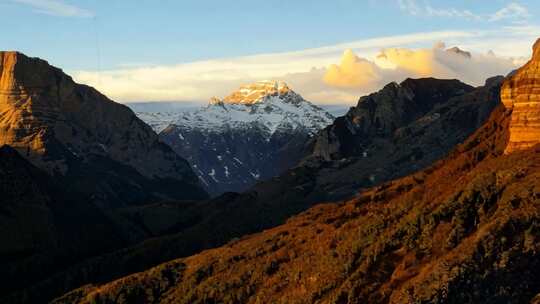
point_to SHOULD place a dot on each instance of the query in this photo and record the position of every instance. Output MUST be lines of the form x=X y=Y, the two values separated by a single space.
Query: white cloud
x=353 y=71
x=305 y=70
x=513 y=11
x=56 y=8
x=413 y=8
x=410 y=6
x=395 y=64
x=198 y=81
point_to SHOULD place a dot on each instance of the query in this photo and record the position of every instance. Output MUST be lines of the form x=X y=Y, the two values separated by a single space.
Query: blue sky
x=84 y=36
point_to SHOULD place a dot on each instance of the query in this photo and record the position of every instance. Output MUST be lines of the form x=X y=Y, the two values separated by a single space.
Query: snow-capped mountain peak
x=269 y=105
x=253 y=134
x=249 y=94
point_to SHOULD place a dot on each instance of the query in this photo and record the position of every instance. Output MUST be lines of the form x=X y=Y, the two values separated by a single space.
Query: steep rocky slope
x=401 y=129
x=381 y=114
x=465 y=230
x=75 y=133
x=254 y=134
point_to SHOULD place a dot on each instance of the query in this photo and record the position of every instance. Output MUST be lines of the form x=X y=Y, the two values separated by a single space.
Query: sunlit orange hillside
x=465 y=230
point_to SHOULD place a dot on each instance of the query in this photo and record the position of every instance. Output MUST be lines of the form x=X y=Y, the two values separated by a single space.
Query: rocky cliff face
x=73 y=161
x=73 y=131
x=521 y=94
x=396 y=131
x=381 y=114
x=254 y=92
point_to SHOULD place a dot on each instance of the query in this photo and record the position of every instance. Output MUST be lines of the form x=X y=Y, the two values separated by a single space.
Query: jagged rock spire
x=521 y=94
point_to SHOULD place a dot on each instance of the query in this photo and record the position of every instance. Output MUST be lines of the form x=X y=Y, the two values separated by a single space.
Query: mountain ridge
x=60 y=125
x=83 y=159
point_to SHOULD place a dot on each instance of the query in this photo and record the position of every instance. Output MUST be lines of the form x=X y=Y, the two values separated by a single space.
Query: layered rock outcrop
x=521 y=94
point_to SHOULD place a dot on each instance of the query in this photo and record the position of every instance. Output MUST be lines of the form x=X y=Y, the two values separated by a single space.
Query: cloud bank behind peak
x=328 y=75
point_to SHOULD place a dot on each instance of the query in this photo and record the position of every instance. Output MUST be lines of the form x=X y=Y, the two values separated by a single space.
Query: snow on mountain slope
x=270 y=104
x=160 y=115
x=253 y=134
x=158 y=120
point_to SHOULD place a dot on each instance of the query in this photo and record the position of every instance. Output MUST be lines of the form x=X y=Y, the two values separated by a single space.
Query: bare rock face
x=521 y=94
x=251 y=93
x=65 y=128
x=383 y=114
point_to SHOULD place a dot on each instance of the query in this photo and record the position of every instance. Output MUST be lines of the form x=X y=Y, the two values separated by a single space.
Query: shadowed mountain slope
x=43 y=226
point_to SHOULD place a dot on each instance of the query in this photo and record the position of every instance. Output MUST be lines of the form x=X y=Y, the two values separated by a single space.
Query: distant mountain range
x=177 y=107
